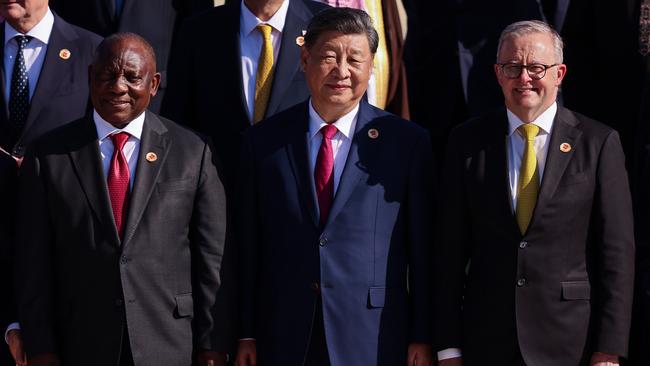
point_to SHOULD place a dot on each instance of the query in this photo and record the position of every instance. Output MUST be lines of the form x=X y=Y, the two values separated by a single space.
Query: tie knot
x=265 y=29
x=328 y=131
x=22 y=41
x=119 y=139
x=529 y=131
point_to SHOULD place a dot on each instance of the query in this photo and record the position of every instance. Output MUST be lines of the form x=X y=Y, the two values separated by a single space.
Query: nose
x=342 y=70
x=119 y=85
x=523 y=76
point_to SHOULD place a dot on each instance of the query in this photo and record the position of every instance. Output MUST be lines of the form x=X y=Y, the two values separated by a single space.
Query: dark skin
x=123 y=79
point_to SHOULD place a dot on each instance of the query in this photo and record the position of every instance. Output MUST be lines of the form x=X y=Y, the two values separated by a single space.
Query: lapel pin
x=300 y=40
x=64 y=54
x=565 y=147
x=373 y=133
x=151 y=157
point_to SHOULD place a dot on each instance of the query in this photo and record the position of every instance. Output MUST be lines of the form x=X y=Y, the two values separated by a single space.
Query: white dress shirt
x=516 y=145
x=34 y=51
x=341 y=142
x=131 y=148
x=250 y=47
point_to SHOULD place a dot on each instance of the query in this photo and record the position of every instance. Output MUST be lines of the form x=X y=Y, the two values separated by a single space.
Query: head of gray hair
x=344 y=21
x=520 y=29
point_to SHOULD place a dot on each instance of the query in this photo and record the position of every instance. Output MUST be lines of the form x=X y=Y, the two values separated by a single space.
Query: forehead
x=532 y=45
x=124 y=54
x=357 y=42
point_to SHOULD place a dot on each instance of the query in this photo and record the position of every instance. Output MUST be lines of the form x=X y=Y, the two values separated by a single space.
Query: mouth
x=338 y=87
x=117 y=102
x=526 y=91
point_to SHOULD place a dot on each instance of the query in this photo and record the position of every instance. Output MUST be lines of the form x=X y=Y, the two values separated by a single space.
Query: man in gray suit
x=130 y=211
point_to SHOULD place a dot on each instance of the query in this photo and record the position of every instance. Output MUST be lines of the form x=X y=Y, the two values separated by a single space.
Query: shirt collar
x=544 y=121
x=105 y=129
x=345 y=124
x=248 y=20
x=41 y=31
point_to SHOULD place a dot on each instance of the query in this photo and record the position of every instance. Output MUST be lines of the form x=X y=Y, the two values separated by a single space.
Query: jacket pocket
x=576 y=290
x=175 y=185
x=376 y=297
x=184 y=306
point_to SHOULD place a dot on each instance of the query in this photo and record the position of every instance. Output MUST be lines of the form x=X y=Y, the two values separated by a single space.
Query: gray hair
x=520 y=29
x=342 y=20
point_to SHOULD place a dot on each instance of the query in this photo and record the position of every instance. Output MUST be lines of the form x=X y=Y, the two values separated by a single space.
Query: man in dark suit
x=335 y=218
x=44 y=88
x=155 y=20
x=130 y=211
x=212 y=77
x=536 y=259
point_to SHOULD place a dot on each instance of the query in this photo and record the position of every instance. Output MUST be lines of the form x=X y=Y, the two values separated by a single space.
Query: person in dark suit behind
x=335 y=218
x=8 y=177
x=535 y=261
x=155 y=20
x=212 y=89
x=130 y=211
x=45 y=85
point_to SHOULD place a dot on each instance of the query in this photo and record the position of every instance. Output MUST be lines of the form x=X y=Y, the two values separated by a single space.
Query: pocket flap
x=576 y=290
x=376 y=297
x=184 y=305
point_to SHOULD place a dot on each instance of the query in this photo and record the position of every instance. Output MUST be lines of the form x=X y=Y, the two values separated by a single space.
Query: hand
x=419 y=354
x=246 y=353
x=43 y=359
x=456 y=361
x=211 y=358
x=603 y=359
x=15 y=342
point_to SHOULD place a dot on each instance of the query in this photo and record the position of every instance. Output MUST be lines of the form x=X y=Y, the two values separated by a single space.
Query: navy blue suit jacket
x=370 y=263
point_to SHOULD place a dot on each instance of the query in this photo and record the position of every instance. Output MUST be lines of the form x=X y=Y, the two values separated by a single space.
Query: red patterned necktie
x=324 y=172
x=118 y=181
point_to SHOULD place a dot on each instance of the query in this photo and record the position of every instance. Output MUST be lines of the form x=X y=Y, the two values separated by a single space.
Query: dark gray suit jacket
x=564 y=289
x=79 y=286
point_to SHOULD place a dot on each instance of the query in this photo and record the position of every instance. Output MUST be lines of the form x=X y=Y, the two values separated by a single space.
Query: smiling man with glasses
x=536 y=259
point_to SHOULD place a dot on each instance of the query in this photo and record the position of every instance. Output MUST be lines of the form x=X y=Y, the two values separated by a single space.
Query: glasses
x=535 y=71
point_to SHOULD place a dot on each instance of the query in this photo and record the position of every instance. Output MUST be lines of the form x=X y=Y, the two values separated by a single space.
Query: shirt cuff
x=12 y=326
x=449 y=353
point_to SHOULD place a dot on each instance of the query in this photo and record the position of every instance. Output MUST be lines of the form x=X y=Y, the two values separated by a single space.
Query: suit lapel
x=54 y=70
x=560 y=14
x=153 y=139
x=5 y=97
x=353 y=171
x=288 y=61
x=230 y=30
x=298 y=154
x=87 y=162
x=564 y=131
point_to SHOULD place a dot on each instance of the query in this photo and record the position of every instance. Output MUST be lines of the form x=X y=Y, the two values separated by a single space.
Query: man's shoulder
x=219 y=17
x=83 y=38
x=315 y=7
x=587 y=125
x=175 y=131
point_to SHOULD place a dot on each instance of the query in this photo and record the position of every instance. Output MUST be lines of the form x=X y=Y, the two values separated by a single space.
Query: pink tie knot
x=119 y=139
x=328 y=131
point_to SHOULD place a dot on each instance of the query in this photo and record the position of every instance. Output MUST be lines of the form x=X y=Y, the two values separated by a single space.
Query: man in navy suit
x=335 y=218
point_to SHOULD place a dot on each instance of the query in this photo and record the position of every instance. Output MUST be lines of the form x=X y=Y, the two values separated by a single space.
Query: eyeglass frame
x=522 y=67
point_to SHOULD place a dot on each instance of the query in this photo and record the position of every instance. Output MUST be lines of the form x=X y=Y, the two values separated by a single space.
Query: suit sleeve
x=612 y=219
x=33 y=269
x=450 y=253
x=207 y=237
x=420 y=218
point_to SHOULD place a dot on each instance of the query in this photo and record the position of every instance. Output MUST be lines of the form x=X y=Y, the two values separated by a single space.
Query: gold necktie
x=264 y=77
x=528 y=178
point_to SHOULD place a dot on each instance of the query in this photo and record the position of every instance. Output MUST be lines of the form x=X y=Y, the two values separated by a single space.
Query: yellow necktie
x=528 y=178
x=264 y=77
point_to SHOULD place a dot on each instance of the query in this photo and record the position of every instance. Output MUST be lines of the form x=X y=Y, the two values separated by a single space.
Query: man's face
x=22 y=10
x=122 y=82
x=337 y=68
x=526 y=97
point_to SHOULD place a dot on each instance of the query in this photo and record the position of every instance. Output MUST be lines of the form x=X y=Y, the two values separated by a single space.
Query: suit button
x=521 y=282
x=523 y=244
x=315 y=286
x=322 y=241
x=119 y=303
x=124 y=259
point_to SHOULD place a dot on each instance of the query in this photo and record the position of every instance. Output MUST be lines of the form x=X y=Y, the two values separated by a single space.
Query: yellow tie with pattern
x=528 y=178
x=264 y=77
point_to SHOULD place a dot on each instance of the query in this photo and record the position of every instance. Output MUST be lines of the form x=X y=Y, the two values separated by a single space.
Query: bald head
x=123 y=78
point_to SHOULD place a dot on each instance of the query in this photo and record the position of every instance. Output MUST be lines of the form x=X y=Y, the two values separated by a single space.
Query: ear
x=561 y=71
x=155 y=83
x=304 y=55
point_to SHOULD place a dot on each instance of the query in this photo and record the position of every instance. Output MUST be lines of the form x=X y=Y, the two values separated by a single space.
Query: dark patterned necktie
x=644 y=27
x=19 y=92
x=118 y=181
